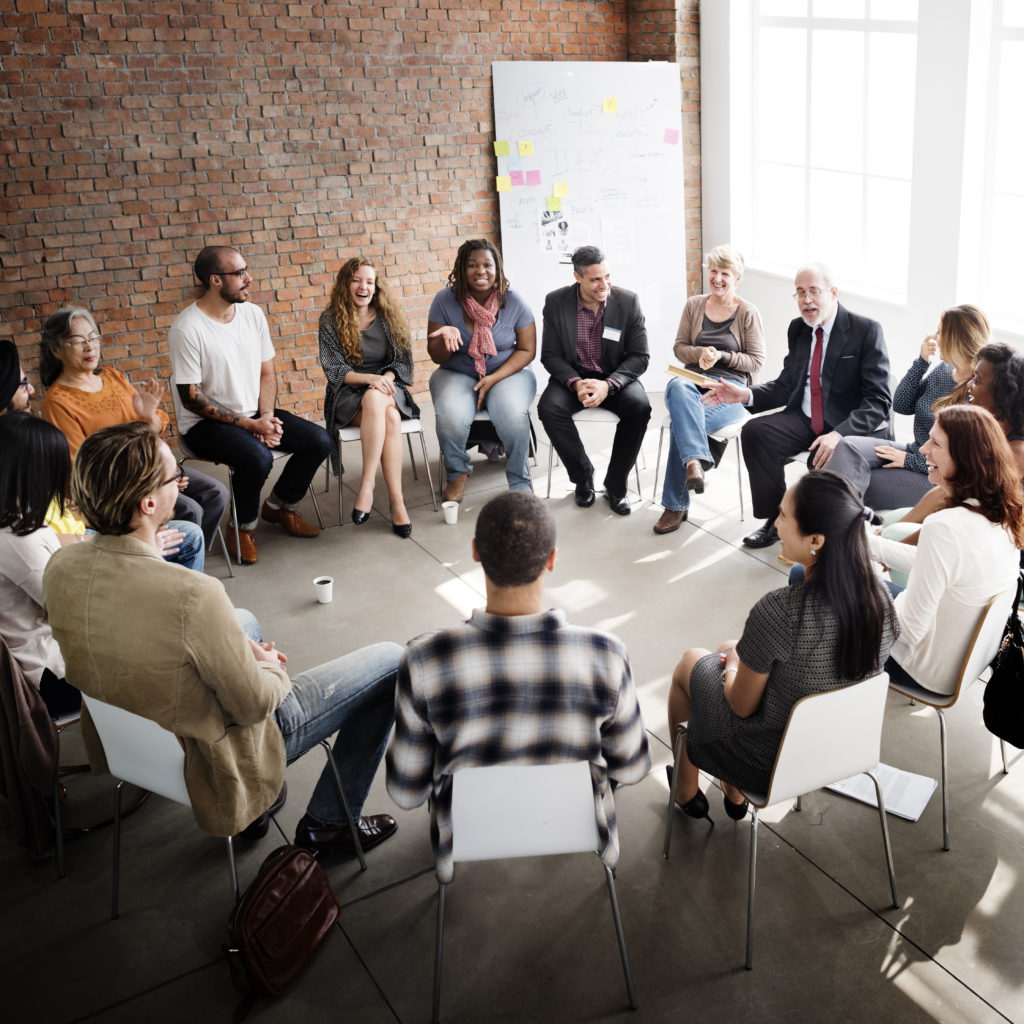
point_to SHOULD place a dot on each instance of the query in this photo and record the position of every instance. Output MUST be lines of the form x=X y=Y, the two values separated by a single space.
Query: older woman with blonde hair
x=721 y=336
x=366 y=354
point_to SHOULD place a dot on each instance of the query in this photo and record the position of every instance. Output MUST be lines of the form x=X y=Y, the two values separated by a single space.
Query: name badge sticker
x=612 y=334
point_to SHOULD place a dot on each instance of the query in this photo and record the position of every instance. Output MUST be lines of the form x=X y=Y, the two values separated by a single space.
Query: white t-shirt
x=224 y=358
x=23 y=622
x=960 y=563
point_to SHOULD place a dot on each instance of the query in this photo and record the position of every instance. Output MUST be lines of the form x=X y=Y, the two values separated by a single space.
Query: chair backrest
x=523 y=811
x=139 y=751
x=987 y=636
x=830 y=736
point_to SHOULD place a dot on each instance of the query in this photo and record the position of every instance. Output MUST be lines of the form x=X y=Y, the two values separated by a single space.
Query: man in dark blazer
x=853 y=395
x=594 y=347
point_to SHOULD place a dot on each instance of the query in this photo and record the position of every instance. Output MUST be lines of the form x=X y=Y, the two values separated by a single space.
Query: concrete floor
x=533 y=940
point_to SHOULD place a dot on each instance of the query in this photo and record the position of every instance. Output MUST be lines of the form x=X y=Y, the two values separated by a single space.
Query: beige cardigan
x=164 y=642
x=746 y=328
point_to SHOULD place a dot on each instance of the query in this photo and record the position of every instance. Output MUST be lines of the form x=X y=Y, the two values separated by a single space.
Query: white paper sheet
x=906 y=795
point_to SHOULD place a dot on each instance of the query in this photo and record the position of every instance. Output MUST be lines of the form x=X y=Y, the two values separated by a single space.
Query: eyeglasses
x=25 y=383
x=234 y=273
x=802 y=293
x=77 y=342
x=174 y=479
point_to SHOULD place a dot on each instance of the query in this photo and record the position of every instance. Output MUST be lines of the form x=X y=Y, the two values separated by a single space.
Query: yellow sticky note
x=554 y=203
x=561 y=189
x=503 y=183
x=501 y=148
x=610 y=105
x=526 y=149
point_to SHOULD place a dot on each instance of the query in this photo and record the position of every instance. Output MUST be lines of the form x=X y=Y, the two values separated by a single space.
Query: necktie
x=817 y=412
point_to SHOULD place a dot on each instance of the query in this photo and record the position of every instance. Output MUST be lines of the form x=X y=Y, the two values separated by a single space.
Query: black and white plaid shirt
x=524 y=689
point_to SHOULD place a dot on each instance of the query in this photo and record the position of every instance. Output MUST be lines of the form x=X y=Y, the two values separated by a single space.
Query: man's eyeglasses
x=815 y=293
x=174 y=479
x=75 y=341
x=25 y=383
x=234 y=273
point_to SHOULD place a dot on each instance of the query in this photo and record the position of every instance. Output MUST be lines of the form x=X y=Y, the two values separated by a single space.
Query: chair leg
x=885 y=841
x=945 y=797
x=1002 y=750
x=224 y=549
x=234 y=514
x=426 y=465
x=435 y=1012
x=316 y=507
x=341 y=487
x=678 y=752
x=58 y=820
x=231 y=866
x=657 y=462
x=551 y=459
x=751 y=880
x=636 y=469
x=344 y=803
x=412 y=457
x=117 y=851
x=630 y=991
x=739 y=476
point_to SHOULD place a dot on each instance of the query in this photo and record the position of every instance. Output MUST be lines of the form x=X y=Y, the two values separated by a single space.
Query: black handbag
x=1004 y=692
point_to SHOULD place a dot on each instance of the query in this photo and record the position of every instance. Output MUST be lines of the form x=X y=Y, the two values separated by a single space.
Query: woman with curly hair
x=483 y=337
x=366 y=354
x=966 y=553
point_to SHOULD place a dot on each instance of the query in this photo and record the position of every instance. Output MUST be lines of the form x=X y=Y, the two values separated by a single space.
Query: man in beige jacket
x=165 y=643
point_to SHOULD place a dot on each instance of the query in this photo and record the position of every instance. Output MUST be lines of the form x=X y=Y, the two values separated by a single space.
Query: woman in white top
x=35 y=467
x=966 y=553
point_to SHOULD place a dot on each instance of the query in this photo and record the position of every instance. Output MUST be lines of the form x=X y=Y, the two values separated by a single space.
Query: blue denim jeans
x=202 y=502
x=508 y=404
x=308 y=443
x=691 y=422
x=191 y=551
x=353 y=696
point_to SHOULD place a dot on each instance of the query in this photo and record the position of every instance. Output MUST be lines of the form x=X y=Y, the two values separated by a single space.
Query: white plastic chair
x=524 y=811
x=829 y=736
x=145 y=754
x=985 y=640
x=597 y=415
x=353 y=433
x=731 y=431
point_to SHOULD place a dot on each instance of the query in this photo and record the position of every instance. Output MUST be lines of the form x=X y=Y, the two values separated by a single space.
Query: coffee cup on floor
x=451 y=512
x=324 y=587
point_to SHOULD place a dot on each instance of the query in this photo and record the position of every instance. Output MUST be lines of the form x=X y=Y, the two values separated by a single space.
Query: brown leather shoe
x=670 y=521
x=337 y=839
x=456 y=487
x=695 y=476
x=292 y=522
x=247 y=544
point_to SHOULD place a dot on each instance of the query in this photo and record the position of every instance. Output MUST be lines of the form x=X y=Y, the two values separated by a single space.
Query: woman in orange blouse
x=82 y=397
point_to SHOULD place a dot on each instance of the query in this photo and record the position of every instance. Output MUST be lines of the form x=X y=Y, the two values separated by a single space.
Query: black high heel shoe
x=697 y=806
x=359 y=517
x=735 y=811
x=402 y=530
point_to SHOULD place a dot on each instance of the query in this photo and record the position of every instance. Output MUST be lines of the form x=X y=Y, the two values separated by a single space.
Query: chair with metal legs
x=731 y=431
x=985 y=640
x=353 y=433
x=829 y=736
x=140 y=752
x=596 y=415
x=506 y=811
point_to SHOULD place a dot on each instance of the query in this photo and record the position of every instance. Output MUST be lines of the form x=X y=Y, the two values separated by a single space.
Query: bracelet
x=728 y=670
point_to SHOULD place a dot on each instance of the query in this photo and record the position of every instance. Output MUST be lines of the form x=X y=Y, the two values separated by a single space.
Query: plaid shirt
x=524 y=689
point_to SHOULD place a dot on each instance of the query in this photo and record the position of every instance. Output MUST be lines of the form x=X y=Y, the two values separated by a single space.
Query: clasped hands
x=267 y=429
x=591 y=392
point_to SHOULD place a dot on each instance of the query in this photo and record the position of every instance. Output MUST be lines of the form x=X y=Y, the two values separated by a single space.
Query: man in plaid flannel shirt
x=514 y=685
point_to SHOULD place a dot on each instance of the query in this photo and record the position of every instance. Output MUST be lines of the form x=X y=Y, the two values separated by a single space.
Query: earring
x=814 y=551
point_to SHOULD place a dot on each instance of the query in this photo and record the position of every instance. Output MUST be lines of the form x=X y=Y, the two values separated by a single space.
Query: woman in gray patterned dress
x=367 y=357
x=832 y=629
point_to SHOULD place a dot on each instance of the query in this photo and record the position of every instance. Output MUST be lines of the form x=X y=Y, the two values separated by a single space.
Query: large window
x=833 y=116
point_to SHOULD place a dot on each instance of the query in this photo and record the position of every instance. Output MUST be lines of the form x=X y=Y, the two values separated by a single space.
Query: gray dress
x=790 y=634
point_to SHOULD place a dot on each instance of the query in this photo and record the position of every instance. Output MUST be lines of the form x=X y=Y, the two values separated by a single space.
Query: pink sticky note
x=517 y=177
x=533 y=177
x=672 y=136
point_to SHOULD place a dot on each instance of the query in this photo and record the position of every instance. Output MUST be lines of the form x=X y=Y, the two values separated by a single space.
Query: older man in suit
x=834 y=382
x=594 y=347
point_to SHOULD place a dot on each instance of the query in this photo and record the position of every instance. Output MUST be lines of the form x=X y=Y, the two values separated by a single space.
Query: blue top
x=915 y=395
x=515 y=314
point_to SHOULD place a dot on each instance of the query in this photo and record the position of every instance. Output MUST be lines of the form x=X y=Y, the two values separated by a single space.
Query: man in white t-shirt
x=222 y=361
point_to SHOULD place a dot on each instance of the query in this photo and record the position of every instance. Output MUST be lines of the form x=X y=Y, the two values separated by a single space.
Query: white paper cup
x=451 y=512
x=324 y=587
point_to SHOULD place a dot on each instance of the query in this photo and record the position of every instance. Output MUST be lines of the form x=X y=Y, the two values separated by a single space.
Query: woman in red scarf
x=483 y=337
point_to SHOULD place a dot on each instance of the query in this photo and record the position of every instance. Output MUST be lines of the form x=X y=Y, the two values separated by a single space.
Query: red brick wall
x=132 y=132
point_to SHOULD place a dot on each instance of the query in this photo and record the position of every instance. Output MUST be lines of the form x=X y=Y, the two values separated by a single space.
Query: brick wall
x=132 y=132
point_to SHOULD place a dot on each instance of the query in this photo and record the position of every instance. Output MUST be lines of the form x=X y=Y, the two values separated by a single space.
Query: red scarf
x=482 y=318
